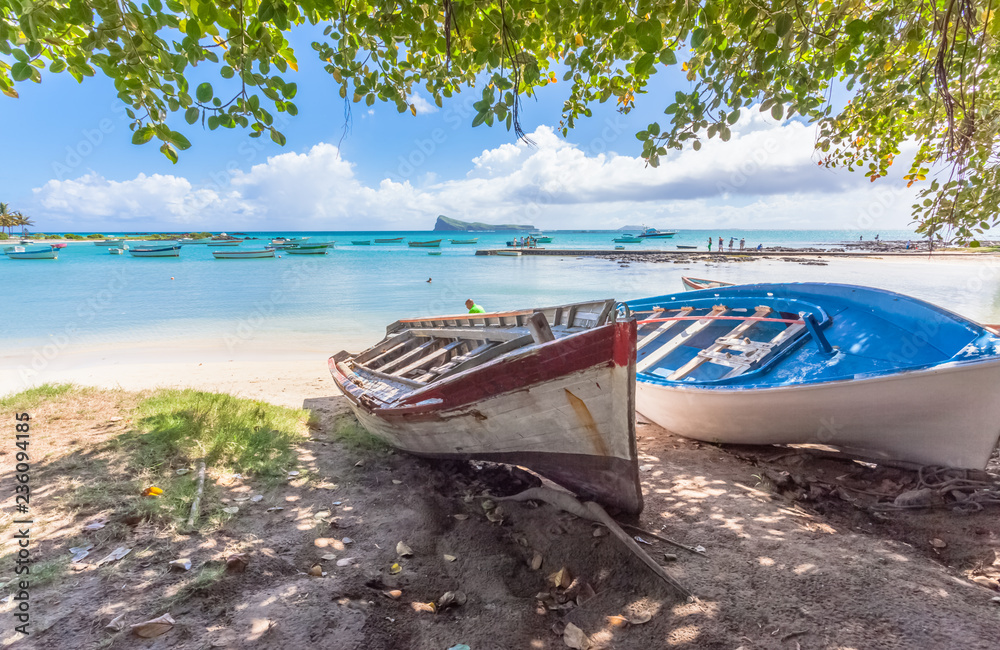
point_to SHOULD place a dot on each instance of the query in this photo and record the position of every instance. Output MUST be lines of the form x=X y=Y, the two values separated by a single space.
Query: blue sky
x=76 y=168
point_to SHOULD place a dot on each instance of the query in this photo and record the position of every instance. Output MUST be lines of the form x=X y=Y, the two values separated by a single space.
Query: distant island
x=447 y=223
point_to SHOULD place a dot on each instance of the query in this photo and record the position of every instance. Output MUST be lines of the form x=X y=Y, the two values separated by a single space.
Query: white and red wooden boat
x=696 y=284
x=550 y=389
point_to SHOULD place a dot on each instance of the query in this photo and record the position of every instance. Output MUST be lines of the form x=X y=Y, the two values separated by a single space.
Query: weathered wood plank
x=711 y=352
x=428 y=359
x=660 y=353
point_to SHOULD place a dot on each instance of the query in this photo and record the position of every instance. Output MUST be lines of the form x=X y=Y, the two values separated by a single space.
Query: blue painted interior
x=872 y=332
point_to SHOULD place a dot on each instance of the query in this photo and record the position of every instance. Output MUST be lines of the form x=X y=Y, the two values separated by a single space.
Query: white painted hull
x=947 y=415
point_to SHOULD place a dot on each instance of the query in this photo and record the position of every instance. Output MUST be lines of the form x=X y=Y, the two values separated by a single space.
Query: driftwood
x=648 y=533
x=196 y=504
x=594 y=512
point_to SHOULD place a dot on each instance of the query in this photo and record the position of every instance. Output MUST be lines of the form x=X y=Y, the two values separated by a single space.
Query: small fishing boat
x=173 y=250
x=295 y=250
x=878 y=374
x=550 y=389
x=434 y=252
x=394 y=240
x=509 y=253
x=280 y=242
x=22 y=253
x=110 y=242
x=464 y=241
x=117 y=251
x=362 y=242
x=542 y=239
x=227 y=243
x=686 y=248
x=694 y=284
x=187 y=241
x=242 y=255
x=59 y=245
x=627 y=239
x=434 y=243
x=653 y=233
x=619 y=248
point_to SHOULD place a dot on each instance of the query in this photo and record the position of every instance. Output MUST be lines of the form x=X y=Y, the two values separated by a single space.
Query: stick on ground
x=196 y=504
x=594 y=512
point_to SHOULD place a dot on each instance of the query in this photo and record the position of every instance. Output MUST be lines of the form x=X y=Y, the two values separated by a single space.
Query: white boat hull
x=946 y=415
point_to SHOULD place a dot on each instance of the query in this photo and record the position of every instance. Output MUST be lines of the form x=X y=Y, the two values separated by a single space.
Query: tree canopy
x=914 y=70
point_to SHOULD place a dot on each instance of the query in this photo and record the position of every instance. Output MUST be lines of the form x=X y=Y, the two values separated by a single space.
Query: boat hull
x=396 y=240
x=306 y=251
x=696 y=284
x=425 y=244
x=905 y=416
x=33 y=255
x=565 y=409
x=174 y=251
x=239 y=255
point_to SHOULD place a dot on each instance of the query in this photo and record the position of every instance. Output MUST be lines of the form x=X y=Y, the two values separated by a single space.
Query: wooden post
x=538 y=325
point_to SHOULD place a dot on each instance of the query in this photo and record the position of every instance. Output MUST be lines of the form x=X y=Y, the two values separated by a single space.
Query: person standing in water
x=709 y=244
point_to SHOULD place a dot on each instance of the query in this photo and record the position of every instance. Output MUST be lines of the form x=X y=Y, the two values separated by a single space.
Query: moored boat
x=361 y=242
x=656 y=234
x=878 y=374
x=285 y=242
x=23 y=253
x=117 y=251
x=110 y=242
x=464 y=241
x=393 y=240
x=226 y=242
x=694 y=284
x=173 y=250
x=550 y=389
x=627 y=239
x=434 y=243
x=242 y=255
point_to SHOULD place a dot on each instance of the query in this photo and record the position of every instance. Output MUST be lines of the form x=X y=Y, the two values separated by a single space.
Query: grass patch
x=203 y=578
x=350 y=432
x=175 y=428
x=31 y=398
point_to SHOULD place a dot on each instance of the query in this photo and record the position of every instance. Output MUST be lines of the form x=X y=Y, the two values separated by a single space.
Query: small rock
x=275 y=509
x=316 y=570
x=645 y=468
x=294 y=472
x=450 y=558
x=256 y=498
x=575 y=638
x=181 y=564
x=237 y=562
x=402 y=550
x=345 y=561
x=116 y=418
x=231 y=510
x=669 y=557
x=536 y=562
x=600 y=531
x=182 y=471
x=995 y=600
x=396 y=482
x=923 y=497
x=938 y=543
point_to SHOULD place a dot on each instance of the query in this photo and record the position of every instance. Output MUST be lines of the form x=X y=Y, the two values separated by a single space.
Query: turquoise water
x=346 y=298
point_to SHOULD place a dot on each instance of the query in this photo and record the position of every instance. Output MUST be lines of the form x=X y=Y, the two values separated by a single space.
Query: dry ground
x=792 y=568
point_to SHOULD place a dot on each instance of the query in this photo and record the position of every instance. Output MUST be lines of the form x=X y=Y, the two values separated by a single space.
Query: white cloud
x=764 y=177
x=423 y=106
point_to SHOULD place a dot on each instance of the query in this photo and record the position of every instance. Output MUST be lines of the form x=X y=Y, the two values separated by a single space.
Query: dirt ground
x=791 y=561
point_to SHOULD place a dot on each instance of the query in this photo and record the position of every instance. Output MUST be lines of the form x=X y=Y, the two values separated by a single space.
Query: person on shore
x=720 y=244
x=473 y=308
x=743 y=242
x=760 y=247
x=709 y=244
x=731 y=240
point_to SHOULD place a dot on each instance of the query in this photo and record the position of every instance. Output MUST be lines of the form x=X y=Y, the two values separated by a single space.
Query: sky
x=69 y=164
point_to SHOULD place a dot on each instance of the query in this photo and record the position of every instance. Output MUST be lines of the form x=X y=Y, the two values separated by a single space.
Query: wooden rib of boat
x=22 y=253
x=550 y=389
x=110 y=242
x=434 y=243
x=876 y=373
x=242 y=255
x=696 y=284
x=509 y=253
x=155 y=251
x=464 y=241
x=393 y=240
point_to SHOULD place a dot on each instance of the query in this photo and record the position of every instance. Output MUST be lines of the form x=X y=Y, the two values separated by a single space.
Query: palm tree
x=6 y=217
x=22 y=220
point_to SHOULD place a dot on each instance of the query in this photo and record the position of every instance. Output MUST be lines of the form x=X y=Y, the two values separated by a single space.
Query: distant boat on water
x=22 y=253
x=683 y=247
x=362 y=242
x=878 y=374
x=394 y=240
x=627 y=239
x=695 y=284
x=109 y=242
x=464 y=241
x=242 y=255
x=653 y=233
x=155 y=251
x=434 y=243
x=234 y=242
x=284 y=242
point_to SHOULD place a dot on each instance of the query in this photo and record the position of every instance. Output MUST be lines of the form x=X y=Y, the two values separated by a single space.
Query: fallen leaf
x=348 y=540
x=450 y=558
x=232 y=510
x=181 y=564
x=402 y=550
x=237 y=562
x=461 y=517
x=586 y=593
x=396 y=482
x=329 y=556
x=96 y=524
x=449 y=598
x=536 y=562
x=639 y=619
x=347 y=561
x=152 y=491
x=80 y=552
x=316 y=570
x=182 y=471
x=115 y=555
x=154 y=627
x=360 y=463
x=600 y=531
x=117 y=624
x=257 y=497
x=938 y=543
x=322 y=514
x=574 y=637
x=275 y=509
x=424 y=607
x=395 y=568
x=617 y=621
x=393 y=593
x=561 y=578
x=488 y=504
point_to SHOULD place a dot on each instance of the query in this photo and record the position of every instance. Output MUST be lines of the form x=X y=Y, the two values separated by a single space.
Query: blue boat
x=878 y=374
x=653 y=233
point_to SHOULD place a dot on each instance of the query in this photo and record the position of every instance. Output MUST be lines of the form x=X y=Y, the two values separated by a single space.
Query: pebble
x=669 y=557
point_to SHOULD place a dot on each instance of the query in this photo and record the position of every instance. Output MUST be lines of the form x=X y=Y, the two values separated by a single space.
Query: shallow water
x=346 y=298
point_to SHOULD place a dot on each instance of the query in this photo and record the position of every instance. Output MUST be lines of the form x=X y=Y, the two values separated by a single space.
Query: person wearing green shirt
x=473 y=307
